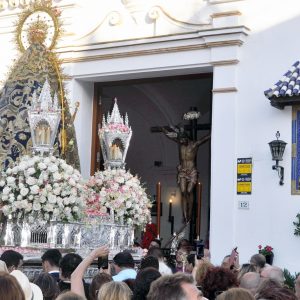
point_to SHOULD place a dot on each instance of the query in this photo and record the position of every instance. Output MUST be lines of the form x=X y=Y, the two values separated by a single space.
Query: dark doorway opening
x=159 y=102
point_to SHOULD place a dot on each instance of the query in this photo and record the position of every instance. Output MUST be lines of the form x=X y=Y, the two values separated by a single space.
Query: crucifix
x=188 y=144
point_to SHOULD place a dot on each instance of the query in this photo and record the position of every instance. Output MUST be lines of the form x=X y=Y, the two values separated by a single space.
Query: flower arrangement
x=119 y=190
x=42 y=188
x=267 y=250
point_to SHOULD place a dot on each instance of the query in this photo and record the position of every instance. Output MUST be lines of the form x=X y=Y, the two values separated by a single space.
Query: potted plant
x=266 y=251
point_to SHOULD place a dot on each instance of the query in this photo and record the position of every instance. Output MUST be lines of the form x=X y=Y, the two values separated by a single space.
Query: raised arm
x=77 y=276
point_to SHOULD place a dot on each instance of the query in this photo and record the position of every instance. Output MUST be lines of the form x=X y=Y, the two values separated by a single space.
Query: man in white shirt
x=123 y=267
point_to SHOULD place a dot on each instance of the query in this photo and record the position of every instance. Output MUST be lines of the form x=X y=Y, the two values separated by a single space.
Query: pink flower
x=259 y=247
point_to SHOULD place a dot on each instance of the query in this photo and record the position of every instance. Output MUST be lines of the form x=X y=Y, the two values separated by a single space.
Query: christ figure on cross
x=187 y=175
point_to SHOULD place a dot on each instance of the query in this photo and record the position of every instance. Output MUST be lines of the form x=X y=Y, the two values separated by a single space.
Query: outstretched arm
x=77 y=276
x=202 y=140
x=172 y=135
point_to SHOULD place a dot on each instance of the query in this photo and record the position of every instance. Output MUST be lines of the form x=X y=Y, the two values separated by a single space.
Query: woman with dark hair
x=48 y=285
x=10 y=288
x=143 y=281
x=96 y=284
x=218 y=280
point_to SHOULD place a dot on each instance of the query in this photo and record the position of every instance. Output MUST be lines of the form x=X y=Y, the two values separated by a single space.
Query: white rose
x=48 y=207
x=67 y=210
x=23 y=165
x=2 y=183
x=10 y=180
x=53 y=168
x=66 y=201
x=75 y=209
x=72 y=182
x=19 y=197
x=15 y=170
x=6 y=209
x=42 y=166
x=36 y=206
x=128 y=204
x=56 y=191
x=43 y=199
x=103 y=193
x=24 y=191
x=8 y=171
x=6 y=190
x=31 y=180
x=30 y=171
x=24 y=203
x=48 y=187
x=34 y=189
x=4 y=197
x=56 y=212
x=31 y=219
x=52 y=199
x=56 y=176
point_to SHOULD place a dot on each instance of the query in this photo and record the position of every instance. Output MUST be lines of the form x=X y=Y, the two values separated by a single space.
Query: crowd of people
x=187 y=277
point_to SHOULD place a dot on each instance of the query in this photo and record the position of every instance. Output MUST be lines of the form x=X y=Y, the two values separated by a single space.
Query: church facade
x=244 y=47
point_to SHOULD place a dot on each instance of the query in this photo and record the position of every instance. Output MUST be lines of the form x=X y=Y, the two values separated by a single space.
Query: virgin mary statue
x=36 y=64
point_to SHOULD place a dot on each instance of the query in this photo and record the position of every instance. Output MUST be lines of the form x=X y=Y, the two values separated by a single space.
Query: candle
x=170 y=208
x=199 y=196
x=158 y=197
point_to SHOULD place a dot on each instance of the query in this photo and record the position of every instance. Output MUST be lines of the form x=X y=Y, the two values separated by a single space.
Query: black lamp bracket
x=280 y=171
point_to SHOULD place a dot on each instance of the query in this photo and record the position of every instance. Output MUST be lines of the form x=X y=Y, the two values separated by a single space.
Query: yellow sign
x=244 y=187
x=244 y=168
x=244 y=176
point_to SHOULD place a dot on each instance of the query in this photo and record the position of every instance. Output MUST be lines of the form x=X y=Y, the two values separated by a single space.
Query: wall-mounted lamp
x=277 y=149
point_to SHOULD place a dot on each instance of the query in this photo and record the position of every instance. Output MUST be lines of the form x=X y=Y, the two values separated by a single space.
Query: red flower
x=259 y=247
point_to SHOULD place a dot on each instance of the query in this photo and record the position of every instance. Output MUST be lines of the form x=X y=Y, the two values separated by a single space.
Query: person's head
x=51 y=259
x=31 y=290
x=97 y=283
x=69 y=296
x=13 y=260
x=226 y=262
x=173 y=287
x=181 y=255
x=155 y=243
x=123 y=260
x=190 y=263
x=68 y=264
x=250 y=281
x=114 y=290
x=48 y=286
x=201 y=270
x=273 y=272
x=272 y=289
x=245 y=268
x=156 y=252
x=236 y=294
x=149 y=261
x=143 y=281
x=218 y=280
x=10 y=288
x=185 y=245
x=258 y=261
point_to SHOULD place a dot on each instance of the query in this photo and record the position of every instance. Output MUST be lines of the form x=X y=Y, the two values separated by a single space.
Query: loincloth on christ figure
x=190 y=175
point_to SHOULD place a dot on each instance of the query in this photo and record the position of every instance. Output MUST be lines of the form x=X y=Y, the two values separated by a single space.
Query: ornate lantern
x=44 y=118
x=114 y=135
x=277 y=148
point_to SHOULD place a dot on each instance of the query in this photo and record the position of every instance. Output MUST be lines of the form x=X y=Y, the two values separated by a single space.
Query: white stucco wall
x=243 y=120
